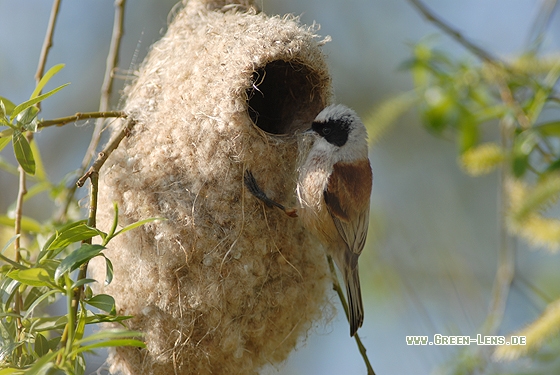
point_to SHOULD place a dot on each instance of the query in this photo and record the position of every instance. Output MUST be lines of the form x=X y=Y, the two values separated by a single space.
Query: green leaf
x=102 y=302
x=549 y=129
x=440 y=110
x=6 y=315
x=102 y=318
x=468 y=132
x=53 y=343
x=59 y=232
x=82 y=282
x=27 y=224
x=110 y=334
x=9 y=288
x=11 y=371
x=9 y=243
x=108 y=271
x=79 y=365
x=27 y=119
x=554 y=166
x=32 y=295
x=40 y=173
x=8 y=105
x=48 y=324
x=32 y=276
x=37 y=189
x=6 y=267
x=77 y=258
x=109 y=338
x=523 y=145
x=542 y=93
x=111 y=232
x=2 y=111
x=137 y=224
x=88 y=293
x=41 y=346
x=540 y=196
x=519 y=165
x=43 y=365
x=111 y=343
x=23 y=152
x=21 y=107
x=5 y=140
x=72 y=233
x=81 y=326
x=38 y=301
x=45 y=79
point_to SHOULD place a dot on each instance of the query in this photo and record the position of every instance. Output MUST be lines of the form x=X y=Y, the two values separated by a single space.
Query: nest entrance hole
x=284 y=97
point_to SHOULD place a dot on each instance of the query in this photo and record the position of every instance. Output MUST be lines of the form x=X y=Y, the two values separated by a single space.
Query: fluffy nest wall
x=224 y=285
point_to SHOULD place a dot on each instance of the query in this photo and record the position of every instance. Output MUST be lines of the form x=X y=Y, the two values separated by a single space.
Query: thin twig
x=506 y=261
x=509 y=100
x=47 y=44
x=93 y=172
x=106 y=152
x=338 y=289
x=540 y=24
x=449 y=30
x=505 y=91
x=93 y=175
x=79 y=116
x=77 y=293
x=107 y=87
x=22 y=189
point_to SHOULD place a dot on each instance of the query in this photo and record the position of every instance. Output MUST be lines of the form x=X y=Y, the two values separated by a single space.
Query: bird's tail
x=354 y=293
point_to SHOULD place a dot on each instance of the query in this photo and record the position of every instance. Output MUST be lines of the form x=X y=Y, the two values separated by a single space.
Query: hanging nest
x=223 y=285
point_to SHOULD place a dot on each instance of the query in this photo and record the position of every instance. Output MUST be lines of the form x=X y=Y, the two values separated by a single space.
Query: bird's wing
x=353 y=232
x=347 y=199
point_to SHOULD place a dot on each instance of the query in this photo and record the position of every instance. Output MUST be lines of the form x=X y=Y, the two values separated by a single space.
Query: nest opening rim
x=284 y=97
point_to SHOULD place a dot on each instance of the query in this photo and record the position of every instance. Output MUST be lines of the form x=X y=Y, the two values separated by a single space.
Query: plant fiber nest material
x=224 y=285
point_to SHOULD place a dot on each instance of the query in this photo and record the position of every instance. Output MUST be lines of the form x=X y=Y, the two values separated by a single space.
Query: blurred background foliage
x=465 y=151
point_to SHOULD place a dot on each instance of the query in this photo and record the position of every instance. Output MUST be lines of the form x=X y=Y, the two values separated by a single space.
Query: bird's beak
x=309 y=134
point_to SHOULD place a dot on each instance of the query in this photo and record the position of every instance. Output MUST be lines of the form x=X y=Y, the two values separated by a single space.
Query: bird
x=333 y=188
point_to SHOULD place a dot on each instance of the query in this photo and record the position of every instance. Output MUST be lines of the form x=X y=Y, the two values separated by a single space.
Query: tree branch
x=22 y=190
x=47 y=44
x=79 y=116
x=449 y=30
x=103 y=155
x=107 y=87
x=506 y=258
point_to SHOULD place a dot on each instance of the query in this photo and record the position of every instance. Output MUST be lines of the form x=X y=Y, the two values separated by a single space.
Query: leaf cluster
x=470 y=102
x=51 y=268
x=41 y=279
x=22 y=118
x=462 y=99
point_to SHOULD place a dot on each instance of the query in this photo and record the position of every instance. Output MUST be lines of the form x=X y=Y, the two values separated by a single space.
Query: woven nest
x=223 y=285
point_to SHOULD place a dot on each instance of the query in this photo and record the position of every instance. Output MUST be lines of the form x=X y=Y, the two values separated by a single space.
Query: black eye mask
x=335 y=132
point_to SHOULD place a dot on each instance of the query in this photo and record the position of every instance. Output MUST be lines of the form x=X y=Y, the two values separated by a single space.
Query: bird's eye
x=326 y=130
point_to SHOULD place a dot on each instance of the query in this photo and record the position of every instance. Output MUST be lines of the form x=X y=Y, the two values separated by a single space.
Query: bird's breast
x=312 y=182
